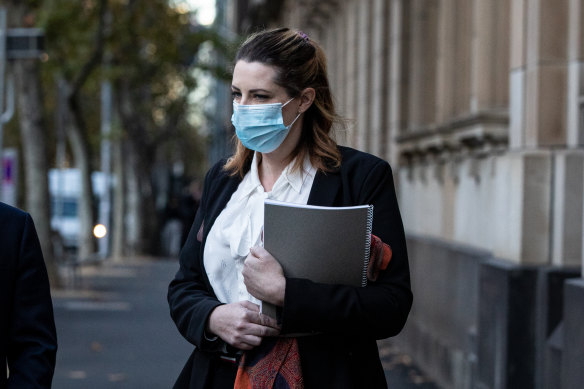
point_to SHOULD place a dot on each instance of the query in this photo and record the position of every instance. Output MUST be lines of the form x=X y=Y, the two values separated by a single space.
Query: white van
x=65 y=190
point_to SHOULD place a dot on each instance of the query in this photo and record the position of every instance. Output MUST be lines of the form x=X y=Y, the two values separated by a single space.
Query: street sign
x=9 y=176
x=22 y=43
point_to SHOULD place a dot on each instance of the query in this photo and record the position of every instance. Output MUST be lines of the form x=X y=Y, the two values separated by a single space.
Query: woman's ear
x=306 y=99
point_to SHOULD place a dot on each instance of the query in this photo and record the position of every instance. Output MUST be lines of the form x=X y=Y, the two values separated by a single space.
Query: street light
x=99 y=231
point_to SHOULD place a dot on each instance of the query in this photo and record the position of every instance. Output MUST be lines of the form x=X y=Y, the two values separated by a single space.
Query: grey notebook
x=323 y=244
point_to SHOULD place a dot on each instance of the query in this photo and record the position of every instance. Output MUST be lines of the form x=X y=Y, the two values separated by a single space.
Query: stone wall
x=479 y=107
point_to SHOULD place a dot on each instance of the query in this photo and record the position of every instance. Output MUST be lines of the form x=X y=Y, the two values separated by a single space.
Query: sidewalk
x=115 y=331
x=400 y=370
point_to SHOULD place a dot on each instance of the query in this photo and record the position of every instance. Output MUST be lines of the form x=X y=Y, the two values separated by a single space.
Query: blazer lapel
x=325 y=189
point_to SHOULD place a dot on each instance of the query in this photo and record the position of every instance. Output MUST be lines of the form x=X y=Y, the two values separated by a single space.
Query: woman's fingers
x=254 y=316
x=258 y=251
x=252 y=337
x=255 y=333
x=263 y=276
x=264 y=331
x=246 y=342
x=269 y=321
x=250 y=306
x=241 y=324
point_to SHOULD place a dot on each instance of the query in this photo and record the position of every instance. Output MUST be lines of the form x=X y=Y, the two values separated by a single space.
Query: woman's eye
x=235 y=95
x=261 y=97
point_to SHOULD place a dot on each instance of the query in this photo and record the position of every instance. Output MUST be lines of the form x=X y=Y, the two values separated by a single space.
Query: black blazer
x=350 y=318
x=28 y=339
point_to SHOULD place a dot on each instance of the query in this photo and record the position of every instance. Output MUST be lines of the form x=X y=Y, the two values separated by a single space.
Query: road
x=114 y=331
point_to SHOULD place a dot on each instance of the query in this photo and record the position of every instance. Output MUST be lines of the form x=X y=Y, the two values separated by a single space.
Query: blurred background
x=112 y=110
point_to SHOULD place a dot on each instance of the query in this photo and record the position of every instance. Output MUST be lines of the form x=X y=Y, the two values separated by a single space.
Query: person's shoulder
x=13 y=222
x=218 y=179
x=217 y=171
x=354 y=159
x=10 y=212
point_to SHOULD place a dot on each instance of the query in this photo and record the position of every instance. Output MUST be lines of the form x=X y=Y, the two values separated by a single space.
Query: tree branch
x=97 y=55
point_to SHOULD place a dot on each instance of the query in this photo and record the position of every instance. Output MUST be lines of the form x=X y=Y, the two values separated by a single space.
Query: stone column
x=422 y=91
x=399 y=72
x=546 y=66
x=462 y=59
x=490 y=56
x=338 y=77
x=292 y=15
x=568 y=185
x=517 y=73
x=538 y=102
x=575 y=120
x=445 y=61
x=379 y=89
x=330 y=50
x=350 y=89
x=364 y=91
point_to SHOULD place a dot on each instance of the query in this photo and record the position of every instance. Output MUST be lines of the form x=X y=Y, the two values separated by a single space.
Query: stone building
x=479 y=107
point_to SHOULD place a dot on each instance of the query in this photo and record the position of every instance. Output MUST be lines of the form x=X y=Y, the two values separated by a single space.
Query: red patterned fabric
x=274 y=364
x=380 y=255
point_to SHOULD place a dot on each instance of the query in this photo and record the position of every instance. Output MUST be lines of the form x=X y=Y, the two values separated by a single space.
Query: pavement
x=114 y=331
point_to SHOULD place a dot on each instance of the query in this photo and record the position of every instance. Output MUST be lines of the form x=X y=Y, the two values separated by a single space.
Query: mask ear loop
x=294 y=121
x=297 y=116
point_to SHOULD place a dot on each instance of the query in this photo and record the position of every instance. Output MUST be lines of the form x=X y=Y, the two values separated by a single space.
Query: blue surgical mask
x=260 y=127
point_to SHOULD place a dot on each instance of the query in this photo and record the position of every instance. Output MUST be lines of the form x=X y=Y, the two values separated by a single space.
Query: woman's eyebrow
x=259 y=90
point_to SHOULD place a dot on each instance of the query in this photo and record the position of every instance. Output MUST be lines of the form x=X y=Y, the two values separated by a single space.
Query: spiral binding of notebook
x=367 y=245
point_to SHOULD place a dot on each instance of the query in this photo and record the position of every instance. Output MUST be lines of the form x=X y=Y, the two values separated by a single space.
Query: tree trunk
x=33 y=133
x=134 y=220
x=77 y=135
x=119 y=210
x=141 y=222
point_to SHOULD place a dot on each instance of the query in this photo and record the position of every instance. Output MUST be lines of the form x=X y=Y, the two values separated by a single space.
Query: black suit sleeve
x=376 y=311
x=32 y=343
x=189 y=298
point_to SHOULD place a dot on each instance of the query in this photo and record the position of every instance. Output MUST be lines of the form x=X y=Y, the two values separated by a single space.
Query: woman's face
x=253 y=84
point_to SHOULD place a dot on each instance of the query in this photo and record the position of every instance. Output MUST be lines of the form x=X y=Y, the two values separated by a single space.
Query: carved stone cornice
x=475 y=135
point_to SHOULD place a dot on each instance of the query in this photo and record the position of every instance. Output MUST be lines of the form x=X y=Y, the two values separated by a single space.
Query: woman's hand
x=263 y=276
x=241 y=324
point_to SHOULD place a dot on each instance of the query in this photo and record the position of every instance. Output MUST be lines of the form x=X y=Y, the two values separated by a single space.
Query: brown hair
x=299 y=63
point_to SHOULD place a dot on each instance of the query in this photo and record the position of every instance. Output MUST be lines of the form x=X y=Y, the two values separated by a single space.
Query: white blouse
x=239 y=227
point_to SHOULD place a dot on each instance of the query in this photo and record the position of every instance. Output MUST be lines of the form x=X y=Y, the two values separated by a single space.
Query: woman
x=283 y=114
